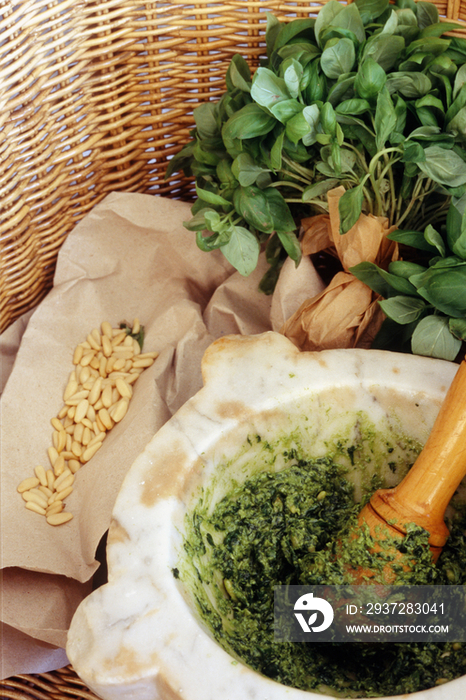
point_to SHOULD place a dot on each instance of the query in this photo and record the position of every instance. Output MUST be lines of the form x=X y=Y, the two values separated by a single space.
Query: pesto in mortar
x=282 y=528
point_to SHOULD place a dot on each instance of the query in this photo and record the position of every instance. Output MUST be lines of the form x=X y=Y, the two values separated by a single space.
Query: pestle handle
x=424 y=493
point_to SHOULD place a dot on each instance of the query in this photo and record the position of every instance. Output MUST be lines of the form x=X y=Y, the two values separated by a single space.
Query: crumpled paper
x=129 y=257
x=346 y=314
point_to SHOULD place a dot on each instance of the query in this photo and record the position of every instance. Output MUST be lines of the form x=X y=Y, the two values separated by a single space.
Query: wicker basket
x=95 y=97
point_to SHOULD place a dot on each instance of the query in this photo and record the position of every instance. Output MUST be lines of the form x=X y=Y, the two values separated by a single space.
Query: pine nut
x=41 y=475
x=87 y=358
x=136 y=327
x=120 y=411
x=119 y=338
x=66 y=483
x=81 y=410
x=100 y=437
x=46 y=491
x=118 y=364
x=90 y=451
x=53 y=455
x=34 y=497
x=78 y=353
x=107 y=396
x=95 y=391
x=61 y=495
x=90 y=415
x=76 y=449
x=59 y=518
x=30 y=505
x=62 y=413
x=103 y=366
x=107 y=346
x=136 y=347
x=143 y=362
x=57 y=424
x=50 y=478
x=86 y=436
x=61 y=478
x=59 y=466
x=71 y=388
x=28 y=484
x=106 y=329
x=74 y=465
x=105 y=418
x=78 y=432
x=124 y=388
x=61 y=441
x=56 y=507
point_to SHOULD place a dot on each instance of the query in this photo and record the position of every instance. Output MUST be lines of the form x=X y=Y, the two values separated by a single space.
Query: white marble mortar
x=138 y=637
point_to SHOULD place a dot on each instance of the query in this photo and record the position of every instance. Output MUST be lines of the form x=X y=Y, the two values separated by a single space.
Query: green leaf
x=291 y=245
x=198 y=221
x=370 y=10
x=414 y=239
x=242 y=250
x=265 y=210
x=405 y=268
x=409 y=83
x=238 y=74
x=276 y=152
x=353 y=106
x=245 y=170
x=250 y=121
x=456 y=226
x=434 y=239
x=318 y=189
x=439 y=28
x=444 y=286
x=349 y=207
x=289 y=31
x=338 y=58
x=444 y=166
x=403 y=309
x=325 y=16
x=385 y=118
x=457 y=326
x=370 y=274
x=297 y=127
x=350 y=19
x=432 y=338
x=211 y=197
x=272 y=31
x=292 y=75
x=316 y=88
x=268 y=89
x=286 y=109
x=205 y=117
x=385 y=49
x=427 y=14
x=460 y=79
x=370 y=79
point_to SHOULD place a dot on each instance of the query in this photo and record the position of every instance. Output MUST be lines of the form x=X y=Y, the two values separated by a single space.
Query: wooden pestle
x=425 y=492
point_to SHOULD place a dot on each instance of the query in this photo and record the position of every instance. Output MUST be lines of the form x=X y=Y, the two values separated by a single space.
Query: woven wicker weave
x=95 y=97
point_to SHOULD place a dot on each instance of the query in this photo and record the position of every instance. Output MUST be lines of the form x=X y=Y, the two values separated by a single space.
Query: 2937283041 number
x=403 y=608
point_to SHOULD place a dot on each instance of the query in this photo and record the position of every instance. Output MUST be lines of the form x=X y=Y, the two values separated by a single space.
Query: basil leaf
x=318 y=189
x=370 y=79
x=354 y=106
x=286 y=109
x=456 y=226
x=370 y=10
x=242 y=250
x=444 y=286
x=245 y=170
x=432 y=338
x=292 y=72
x=265 y=210
x=324 y=17
x=415 y=239
x=250 y=121
x=434 y=239
x=427 y=14
x=370 y=274
x=238 y=75
x=457 y=326
x=296 y=28
x=338 y=58
x=350 y=18
x=349 y=207
x=291 y=244
x=402 y=309
x=385 y=49
x=268 y=89
x=385 y=119
x=409 y=83
x=444 y=166
x=211 y=197
x=272 y=31
x=405 y=268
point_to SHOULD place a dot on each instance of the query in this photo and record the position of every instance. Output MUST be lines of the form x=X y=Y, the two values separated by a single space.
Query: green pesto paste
x=282 y=528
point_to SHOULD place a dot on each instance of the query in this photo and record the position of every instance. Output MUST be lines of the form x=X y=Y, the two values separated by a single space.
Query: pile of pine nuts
x=96 y=397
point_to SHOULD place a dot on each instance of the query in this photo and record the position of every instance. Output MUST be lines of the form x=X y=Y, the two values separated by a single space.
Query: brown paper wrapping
x=346 y=313
x=130 y=257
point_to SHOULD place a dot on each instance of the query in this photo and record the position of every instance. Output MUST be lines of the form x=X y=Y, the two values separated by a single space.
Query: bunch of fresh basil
x=425 y=304
x=368 y=95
